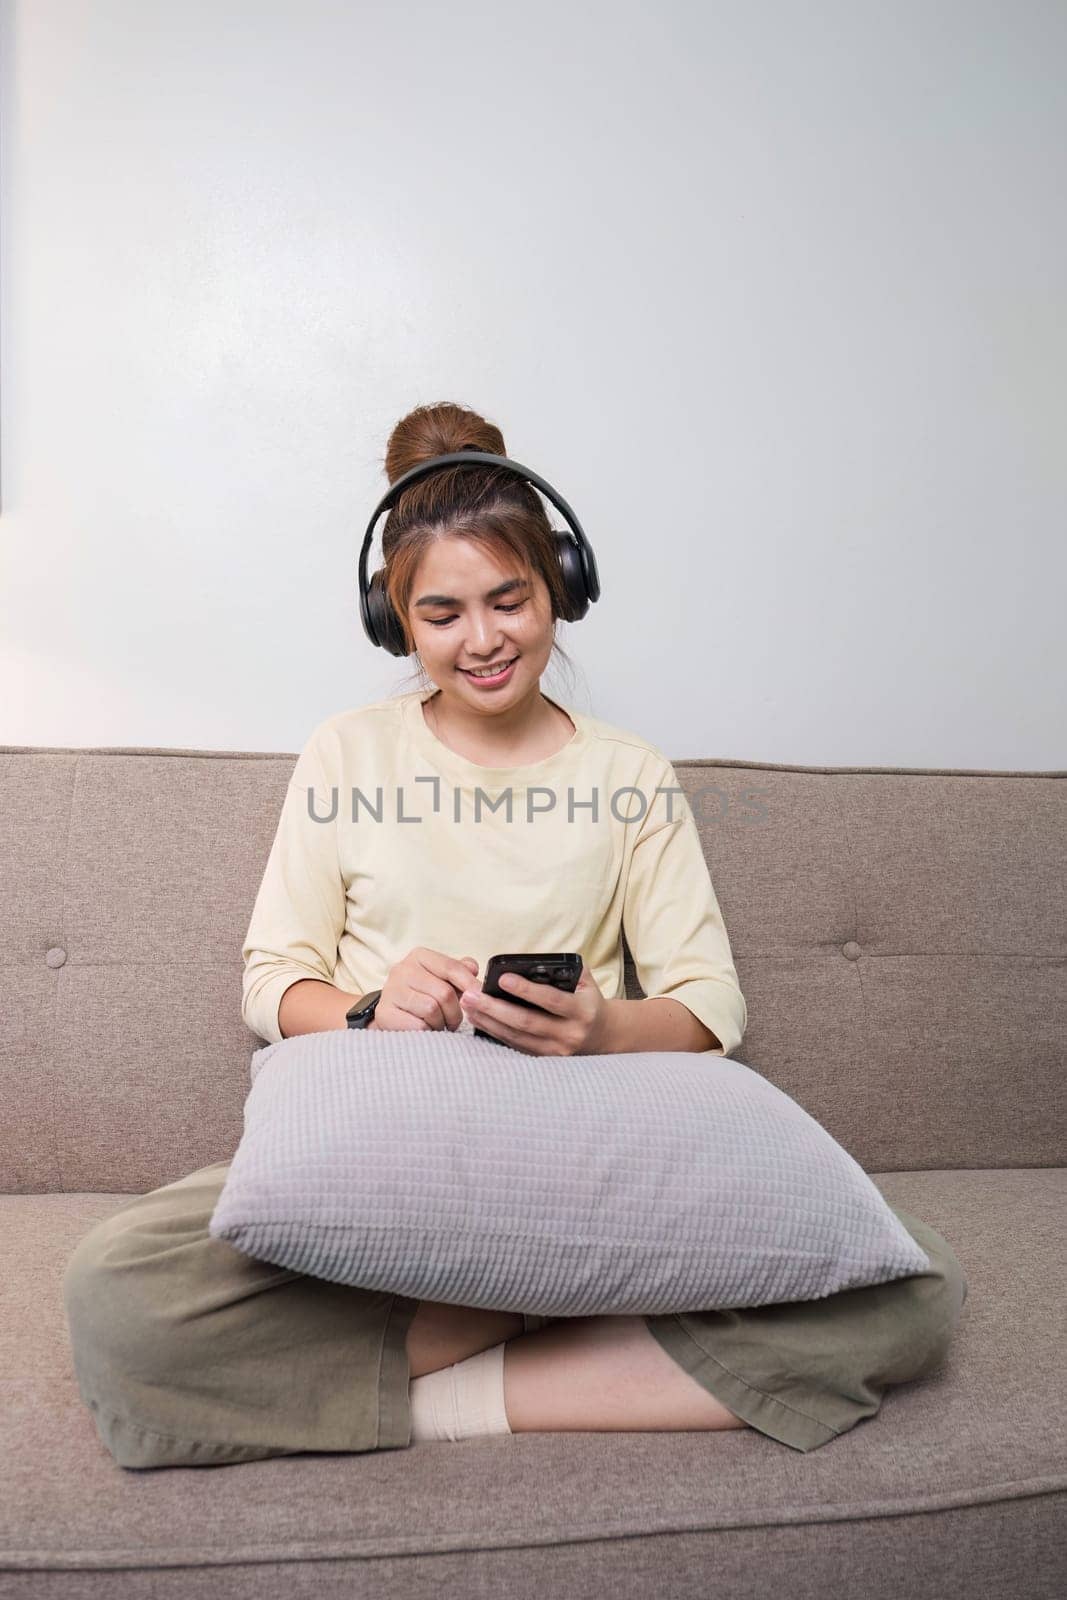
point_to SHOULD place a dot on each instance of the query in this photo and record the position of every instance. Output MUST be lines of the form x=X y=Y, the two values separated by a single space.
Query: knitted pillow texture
x=436 y=1165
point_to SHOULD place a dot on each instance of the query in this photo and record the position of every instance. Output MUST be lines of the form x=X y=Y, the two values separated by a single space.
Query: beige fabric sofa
x=901 y=940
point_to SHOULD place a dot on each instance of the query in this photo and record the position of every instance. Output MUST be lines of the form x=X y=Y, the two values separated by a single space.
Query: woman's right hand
x=422 y=992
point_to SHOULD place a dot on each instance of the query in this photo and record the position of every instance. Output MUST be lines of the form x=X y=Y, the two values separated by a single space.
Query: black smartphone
x=561 y=970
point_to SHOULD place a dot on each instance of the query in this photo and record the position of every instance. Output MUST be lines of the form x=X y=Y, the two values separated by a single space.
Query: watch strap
x=362 y=1012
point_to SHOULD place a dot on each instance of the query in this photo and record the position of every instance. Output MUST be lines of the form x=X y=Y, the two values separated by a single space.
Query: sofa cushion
x=960 y=1481
x=451 y=1168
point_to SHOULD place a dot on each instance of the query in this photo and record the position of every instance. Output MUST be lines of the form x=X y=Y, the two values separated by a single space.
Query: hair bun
x=438 y=430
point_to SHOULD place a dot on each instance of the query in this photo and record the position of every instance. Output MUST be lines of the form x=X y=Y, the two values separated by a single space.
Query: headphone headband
x=577 y=560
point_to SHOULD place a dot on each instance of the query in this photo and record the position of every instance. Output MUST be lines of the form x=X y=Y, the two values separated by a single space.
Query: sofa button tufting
x=851 y=950
x=56 y=956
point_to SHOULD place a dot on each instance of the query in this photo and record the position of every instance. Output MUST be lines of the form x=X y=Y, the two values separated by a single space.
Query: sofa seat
x=958 y=1483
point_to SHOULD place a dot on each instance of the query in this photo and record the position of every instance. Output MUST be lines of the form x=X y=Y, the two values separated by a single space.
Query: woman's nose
x=484 y=633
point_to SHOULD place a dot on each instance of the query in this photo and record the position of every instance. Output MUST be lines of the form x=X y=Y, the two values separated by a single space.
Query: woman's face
x=458 y=622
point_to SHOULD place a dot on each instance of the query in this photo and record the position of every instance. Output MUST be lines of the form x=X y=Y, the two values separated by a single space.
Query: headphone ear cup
x=577 y=602
x=387 y=629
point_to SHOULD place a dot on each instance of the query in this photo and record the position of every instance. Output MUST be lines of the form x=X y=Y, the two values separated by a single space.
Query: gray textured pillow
x=444 y=1167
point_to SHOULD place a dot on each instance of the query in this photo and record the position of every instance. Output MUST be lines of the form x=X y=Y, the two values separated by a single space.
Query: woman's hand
x=568 y=1025
x=422 y=991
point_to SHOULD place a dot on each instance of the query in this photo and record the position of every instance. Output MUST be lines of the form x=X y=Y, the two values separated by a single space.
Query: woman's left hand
x=568 y=1025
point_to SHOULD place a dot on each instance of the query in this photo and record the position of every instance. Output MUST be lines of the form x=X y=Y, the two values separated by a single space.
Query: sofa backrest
x=899 y=936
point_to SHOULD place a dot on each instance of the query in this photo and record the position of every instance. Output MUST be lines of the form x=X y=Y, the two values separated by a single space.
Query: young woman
x=419 y=836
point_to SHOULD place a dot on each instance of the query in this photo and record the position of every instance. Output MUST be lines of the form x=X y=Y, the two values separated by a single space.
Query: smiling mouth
x=488 y=672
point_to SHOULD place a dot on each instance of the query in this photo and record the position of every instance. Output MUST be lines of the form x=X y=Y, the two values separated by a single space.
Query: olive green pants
x=190 y=1353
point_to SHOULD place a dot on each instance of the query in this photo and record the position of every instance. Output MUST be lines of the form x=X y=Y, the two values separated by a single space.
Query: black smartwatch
x=361 y=1013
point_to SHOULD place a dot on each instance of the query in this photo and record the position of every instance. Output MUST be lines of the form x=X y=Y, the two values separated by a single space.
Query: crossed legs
x=577 y=1374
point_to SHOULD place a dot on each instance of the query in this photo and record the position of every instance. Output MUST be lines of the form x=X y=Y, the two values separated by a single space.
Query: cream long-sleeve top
x=388 y=839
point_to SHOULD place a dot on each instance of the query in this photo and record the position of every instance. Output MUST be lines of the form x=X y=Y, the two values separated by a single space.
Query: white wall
x=772 y=292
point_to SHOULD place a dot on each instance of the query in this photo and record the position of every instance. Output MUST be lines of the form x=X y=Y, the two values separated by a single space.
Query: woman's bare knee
x=439 y=1335
x=603 y=1374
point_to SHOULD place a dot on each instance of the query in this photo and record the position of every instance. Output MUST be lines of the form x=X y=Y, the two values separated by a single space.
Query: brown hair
x=490 y=507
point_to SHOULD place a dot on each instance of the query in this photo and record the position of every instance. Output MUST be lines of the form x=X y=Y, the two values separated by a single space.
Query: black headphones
x=581 y=581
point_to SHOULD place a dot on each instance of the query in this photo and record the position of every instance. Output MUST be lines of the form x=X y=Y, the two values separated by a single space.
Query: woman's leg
x=801 y=1372
x=602 y=1375
x=805 y=1371
x=188 y=1352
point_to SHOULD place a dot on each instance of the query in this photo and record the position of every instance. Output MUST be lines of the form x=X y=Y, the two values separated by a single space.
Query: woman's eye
x=441 y=622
